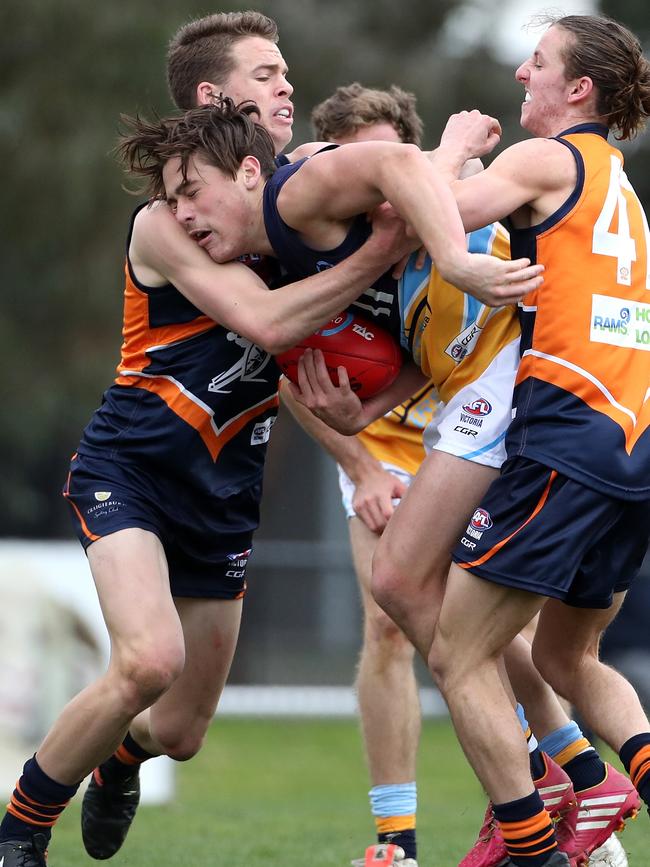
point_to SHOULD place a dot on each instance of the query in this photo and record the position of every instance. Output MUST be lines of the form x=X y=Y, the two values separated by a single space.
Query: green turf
x=293 y=794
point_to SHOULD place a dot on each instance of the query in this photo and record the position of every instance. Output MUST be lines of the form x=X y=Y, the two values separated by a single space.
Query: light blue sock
x=560 y=739
x=398 y=799
x=532 y=740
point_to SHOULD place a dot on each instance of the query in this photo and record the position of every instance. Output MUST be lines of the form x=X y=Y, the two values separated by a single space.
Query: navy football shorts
x=540 y=531
x=207 y=540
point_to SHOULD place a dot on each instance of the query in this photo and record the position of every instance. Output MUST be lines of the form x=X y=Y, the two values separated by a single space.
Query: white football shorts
x=473 y=423
x=348 y=487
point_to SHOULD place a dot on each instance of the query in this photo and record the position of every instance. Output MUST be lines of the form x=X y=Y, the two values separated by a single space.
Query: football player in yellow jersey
x=375 y=467
x=565 y=526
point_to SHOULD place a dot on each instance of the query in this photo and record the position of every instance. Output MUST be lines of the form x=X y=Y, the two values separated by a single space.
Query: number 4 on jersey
x=620 y=245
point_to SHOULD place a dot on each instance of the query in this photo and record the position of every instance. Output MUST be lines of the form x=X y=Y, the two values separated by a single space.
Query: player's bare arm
x=231 y=294
x=336 y=185
x=528 y=181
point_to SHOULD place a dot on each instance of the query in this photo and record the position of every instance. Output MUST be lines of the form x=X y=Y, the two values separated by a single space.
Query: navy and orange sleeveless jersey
x=191 y=399
x=583 y=387
x=379 y=303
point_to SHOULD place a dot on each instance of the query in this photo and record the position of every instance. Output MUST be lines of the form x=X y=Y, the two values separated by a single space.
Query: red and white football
x=370 y=354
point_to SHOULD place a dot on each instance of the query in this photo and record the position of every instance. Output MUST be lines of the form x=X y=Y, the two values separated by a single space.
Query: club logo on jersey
x=101 y=496
x=253 y=361
x=478 y=408
x=322 y=265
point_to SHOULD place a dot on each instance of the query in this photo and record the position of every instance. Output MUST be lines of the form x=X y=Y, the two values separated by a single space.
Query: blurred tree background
x=69 y=68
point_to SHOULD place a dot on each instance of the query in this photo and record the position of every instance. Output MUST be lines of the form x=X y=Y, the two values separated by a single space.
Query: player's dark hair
x=611 y=55
x=222 y=134
x=354 y=106
x=202 y=51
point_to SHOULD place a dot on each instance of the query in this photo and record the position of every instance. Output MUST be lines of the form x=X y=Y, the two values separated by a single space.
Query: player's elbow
x=403 y=157
x=274 y=337
x=283 y=342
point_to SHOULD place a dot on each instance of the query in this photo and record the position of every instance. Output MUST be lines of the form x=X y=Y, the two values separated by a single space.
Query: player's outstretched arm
x=234 y=296
x=417 y=195
x=336 y=185
x=526 y=181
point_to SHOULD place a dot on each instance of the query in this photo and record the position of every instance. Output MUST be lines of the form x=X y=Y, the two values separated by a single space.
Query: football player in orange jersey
x=386 y=688
x=565 y=526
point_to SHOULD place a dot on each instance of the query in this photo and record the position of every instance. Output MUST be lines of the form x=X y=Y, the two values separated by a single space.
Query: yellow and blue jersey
x=396 y=438
x=441 y=327
x=451 y=335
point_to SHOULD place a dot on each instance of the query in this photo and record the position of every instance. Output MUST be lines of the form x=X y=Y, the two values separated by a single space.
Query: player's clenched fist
x=472 y=132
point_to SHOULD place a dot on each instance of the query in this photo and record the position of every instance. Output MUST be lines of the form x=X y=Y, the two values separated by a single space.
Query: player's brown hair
x=202 y=50
x=354 y=106
x=222 y=134
x=611 y=55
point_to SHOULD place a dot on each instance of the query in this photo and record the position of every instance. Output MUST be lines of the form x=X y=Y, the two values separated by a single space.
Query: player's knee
x=385 y=583
x=557 y=668
x=381 y=630
x=183 y=739
x=382 y=636
x=147 y=674
x=440 y=662
x=186 y=747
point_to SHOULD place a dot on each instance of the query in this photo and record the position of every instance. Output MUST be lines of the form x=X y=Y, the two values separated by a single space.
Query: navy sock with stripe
x=35 y=805
x=527 y=830
x=635 y=755
x=125 y=761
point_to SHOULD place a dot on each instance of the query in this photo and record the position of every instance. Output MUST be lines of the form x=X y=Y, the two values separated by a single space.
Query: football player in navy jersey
x=165 y=485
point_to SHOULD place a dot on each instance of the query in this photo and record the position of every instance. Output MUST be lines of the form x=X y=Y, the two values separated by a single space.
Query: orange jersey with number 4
x=583 y=387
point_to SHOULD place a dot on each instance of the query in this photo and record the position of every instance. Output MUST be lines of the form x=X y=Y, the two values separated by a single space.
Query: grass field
x=293 y=794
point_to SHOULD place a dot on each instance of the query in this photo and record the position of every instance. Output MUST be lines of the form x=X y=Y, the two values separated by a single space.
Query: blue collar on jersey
x=596 y=128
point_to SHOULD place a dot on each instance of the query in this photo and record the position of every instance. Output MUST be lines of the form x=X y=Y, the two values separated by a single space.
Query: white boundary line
x=307 y=701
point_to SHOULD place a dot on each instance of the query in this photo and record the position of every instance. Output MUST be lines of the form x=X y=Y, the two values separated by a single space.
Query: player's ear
x=251 y=172
x=206 y=93
x=581 y=88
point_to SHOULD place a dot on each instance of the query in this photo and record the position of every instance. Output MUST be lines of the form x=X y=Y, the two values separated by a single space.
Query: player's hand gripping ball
x=370 y=355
